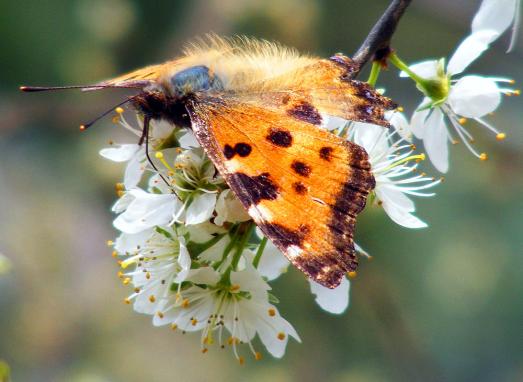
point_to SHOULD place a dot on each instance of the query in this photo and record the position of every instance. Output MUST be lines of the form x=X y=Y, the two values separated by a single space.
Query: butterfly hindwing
x=302 y=185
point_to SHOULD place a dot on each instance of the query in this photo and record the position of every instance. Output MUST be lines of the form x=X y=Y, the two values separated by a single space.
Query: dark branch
x=381 y=34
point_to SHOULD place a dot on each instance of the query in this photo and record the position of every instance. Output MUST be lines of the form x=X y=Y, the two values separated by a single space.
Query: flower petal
x=200 y=209
x=272 y=263
x=469 y=50
x=419 y=119
x=495 y=15
x=134 y=170
x=474 y=96
x=435 y=140
x=400 y=123
x=123 y=153
x=332 y=300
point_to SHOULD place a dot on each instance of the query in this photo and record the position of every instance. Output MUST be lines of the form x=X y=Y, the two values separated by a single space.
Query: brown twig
x=378 y=39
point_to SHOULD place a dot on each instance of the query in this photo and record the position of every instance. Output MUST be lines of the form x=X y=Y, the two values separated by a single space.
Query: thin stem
x=241 y=245
x=259 y=253
x=381 y=34
x=398 y=63
x=374 y=73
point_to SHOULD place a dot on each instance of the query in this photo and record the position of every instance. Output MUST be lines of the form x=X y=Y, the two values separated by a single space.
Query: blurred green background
x=442 y=304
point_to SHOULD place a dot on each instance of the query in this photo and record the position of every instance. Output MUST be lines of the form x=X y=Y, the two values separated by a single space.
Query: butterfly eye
x=194 y=79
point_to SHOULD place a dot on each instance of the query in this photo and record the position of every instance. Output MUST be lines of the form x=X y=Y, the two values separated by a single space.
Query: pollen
x=400 y=109
x=159 y=155
x=174 y=326
x=281 y=336
x=272 y=312
x=119 y=110
x=120 y=193
x=126 y=281
x=462 y=121
x=159 y=314
x=119 y=187
x=185 y=303
x=241 y=360
x=115 y=119
x=517 y=92
x=501 y=136
x=152 y=298
x=483 y=156
x=110 y=243
x=127 y=301
x=120 y=274
x=352 y=274
x=148 y=275
x=257 y=356
x=194 y=321
x=114 y=254
x=204 y=350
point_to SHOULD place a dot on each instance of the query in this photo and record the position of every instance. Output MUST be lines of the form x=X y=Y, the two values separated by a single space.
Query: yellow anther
x=159 y=314
x=194 y=321
x=241 y=360
x=179 y=150
x=174 y=326
x=127 y=301
x=272 y=312
x=352 y=274
x=230 y=340
x=512 y=82
x=281 y=336
x=159 y=155
x=126 y=281
x=517 y=92
x=115 y=119
x=501 y=136
x=110 y=243
x=257 y=356
x=462 y=121
x=235 y=288
x=185 y=303
x=400 y=109
x=455 y=142
x=124 y=264
x=114 y=254
x=119 y=110
x=136 y=290
x=152 y=298
x=483 y=156
x=147 y=275
x=120 y=193
x=120 y=274
x=204 y=350
x=119 y=186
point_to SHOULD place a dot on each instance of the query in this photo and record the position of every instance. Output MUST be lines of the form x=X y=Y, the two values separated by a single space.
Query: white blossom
x=334 y=300
x=498 y=16
x=455 y=100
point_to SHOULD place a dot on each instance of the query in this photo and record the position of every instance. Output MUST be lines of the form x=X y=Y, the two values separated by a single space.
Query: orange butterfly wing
x=302 y=185
x=325 y=88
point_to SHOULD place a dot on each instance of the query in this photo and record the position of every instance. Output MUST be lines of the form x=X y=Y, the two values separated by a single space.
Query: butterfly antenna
x=34 y=89
x=89 y=124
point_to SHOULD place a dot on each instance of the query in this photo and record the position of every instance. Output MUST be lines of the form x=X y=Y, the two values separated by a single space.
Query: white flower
x=161 y=259
x=333 y=301
x=498 y=16
x=146 y=210
x=393 y=167
x=134 y=154
x=241 y=307
x=470 y=96
x=229 y=209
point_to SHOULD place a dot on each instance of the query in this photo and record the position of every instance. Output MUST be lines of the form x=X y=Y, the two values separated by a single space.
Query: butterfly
x=259 y=110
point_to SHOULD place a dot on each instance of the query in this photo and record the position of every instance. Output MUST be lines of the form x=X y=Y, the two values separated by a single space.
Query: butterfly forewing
x=303 y=186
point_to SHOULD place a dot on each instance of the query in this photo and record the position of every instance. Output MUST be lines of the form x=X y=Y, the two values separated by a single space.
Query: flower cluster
x=193 y=256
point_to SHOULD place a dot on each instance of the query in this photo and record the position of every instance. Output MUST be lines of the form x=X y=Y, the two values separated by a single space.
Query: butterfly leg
x=145 y=138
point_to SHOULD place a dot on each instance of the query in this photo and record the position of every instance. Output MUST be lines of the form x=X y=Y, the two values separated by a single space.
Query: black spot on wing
x=228 y=152
x=301 y=168
x=326 y=153
x=243 y=149
x=284 y=237
x=253 y=189
x=306 y=112
x=280 y=137
x=300 y=188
